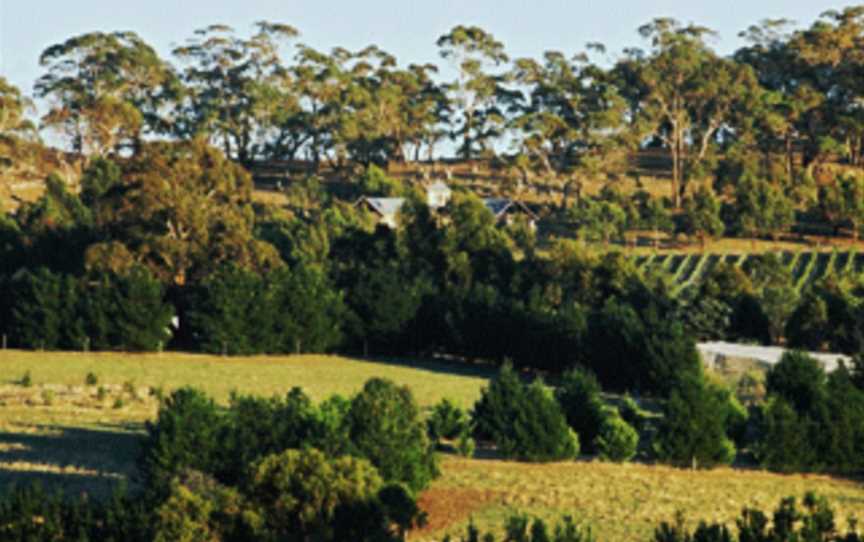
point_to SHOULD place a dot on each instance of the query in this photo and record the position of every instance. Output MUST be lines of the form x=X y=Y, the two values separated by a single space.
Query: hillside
x=61 y=431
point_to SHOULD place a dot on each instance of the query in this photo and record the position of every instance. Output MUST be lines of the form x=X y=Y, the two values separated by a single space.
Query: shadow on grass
x=445 y=366
x=69 y=459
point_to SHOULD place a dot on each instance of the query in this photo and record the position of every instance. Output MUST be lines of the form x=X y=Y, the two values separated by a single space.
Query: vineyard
x=806 y=267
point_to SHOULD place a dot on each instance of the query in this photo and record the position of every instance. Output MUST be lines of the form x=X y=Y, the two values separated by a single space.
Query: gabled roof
x=499 y=206
x=385 y=206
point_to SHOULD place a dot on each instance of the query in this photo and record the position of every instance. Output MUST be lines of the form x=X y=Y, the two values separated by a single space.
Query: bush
x=524 y=421
x=522 y=529
x=631 y=413
x=383 y=425
x=185 y=436
x=466 y=445
x=579 y=397
x=255 y=427
x=815 y=522
x=617 y=440
x=29 y=513
x=300 y=494
x=199 y=508
x=447 y=421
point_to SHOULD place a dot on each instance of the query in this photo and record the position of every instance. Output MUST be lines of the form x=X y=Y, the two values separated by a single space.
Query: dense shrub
x=523 y=529
x=789 y=523
x=447 y=421
x=383 y=425
x=617 y=440
x=199 y=508
x=303 y=495
x=44 y=313
x=579 y=397
x=30 y=513
x=255 y=427
x=523 y=420
x=186 y=435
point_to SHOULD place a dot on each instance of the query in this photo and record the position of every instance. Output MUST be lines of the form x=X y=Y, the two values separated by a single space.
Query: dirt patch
x=447 y=506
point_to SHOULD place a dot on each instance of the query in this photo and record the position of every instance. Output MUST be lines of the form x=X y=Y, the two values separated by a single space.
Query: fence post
x=224 y=349
x=4 y=341
x=86 y=343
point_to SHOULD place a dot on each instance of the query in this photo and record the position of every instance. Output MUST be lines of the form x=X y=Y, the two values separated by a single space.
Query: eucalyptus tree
x=235 y=87
x=831 y=52
x=318 y=79
x=571 y=122
x=473 y=52
x=104 y=91
x=16 y=130
x=843 y=201
x=787 y=111
x=688 y=93
x=182 y=209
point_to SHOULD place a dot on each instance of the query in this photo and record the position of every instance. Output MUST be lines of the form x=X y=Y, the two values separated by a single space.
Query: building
x=506 y=210
x=438 y=195
x=386 y=209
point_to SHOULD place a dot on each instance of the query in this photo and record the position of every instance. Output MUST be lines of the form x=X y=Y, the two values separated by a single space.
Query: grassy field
x=61 y=431
x=621 y=503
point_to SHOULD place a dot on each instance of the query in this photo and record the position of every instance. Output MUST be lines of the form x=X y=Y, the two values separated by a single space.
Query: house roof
x=499 y=206
x=385 y=206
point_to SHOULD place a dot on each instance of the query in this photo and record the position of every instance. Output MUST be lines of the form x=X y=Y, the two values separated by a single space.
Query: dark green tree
x=384 y=426
x=523 y=420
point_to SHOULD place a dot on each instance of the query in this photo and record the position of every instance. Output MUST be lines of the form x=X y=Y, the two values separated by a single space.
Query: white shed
x=438 y=195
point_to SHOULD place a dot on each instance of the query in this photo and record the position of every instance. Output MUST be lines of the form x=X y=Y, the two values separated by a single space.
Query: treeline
x=779 y=106
x=166 y=250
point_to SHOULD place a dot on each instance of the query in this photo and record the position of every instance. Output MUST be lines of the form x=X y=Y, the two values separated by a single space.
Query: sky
x=406 y=28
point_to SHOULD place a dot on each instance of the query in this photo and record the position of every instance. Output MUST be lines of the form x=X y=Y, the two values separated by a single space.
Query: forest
x=209 y=203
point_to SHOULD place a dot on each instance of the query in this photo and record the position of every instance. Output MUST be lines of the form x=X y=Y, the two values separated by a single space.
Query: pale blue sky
x=406 y=28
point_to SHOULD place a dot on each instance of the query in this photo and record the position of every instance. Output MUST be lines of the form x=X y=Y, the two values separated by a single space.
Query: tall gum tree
x=473 y=52
x=104 y=90
x=570 y=120
x=234 y=86
x=689 y=93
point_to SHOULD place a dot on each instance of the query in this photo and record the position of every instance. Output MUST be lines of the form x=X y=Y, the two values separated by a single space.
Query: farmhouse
x=438 y=195
x=506 y=210
x=386 y=209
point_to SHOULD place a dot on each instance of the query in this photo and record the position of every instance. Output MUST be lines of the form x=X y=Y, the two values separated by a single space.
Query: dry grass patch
x=621 y=502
